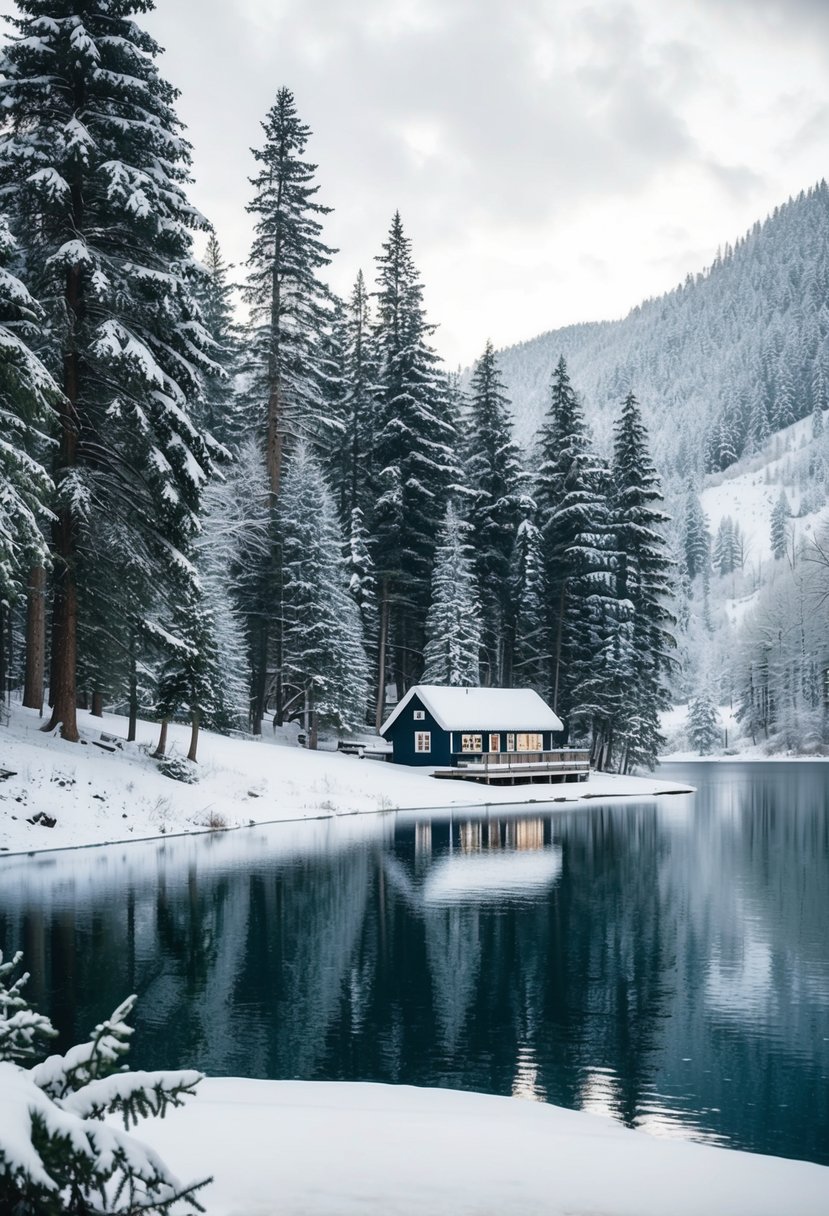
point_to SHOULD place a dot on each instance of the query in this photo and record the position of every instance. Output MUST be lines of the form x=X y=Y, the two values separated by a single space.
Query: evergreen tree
x=818 y=425
x=27 y=392
x=63 y=1153
x=453 y=626
x=696 y=540
x=493 y=478
x=780 y=526
x=577 y=543
x=93 y=169
x=288 y=301
x=645 y=583
x=219 y=411
x=284 y=369
x=530 y=659
x=191 y=675
x=415 y=461
x=704 y=730
x=351 y=458
x=728 y=545
x=325 y=664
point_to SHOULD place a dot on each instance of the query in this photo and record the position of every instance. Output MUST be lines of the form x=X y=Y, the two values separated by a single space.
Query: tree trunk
x=133 y=720
x=381 y=664
x=4 y=665
x=558 y=646
x=35 y=639
x=97 y=710
x=65 y=614
x=313 y=730
x=194 y=736
x=161 y=750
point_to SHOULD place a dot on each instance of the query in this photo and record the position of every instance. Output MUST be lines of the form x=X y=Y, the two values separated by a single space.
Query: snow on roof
x=480 y=708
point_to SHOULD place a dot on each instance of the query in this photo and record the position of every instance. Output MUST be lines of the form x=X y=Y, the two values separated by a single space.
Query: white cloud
x=552 y=162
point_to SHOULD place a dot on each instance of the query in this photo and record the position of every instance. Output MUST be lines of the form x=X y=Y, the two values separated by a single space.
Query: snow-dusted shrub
x=178 y=769
x=57 y=1155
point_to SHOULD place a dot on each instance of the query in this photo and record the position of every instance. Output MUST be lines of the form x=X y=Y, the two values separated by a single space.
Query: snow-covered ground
x=749 y=490
x=735 y=744
x=346 y=1149
x=98 y=796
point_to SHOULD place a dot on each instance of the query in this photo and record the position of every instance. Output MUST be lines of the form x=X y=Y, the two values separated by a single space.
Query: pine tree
x=704 y=730
x=63 y=1153
x=325 y=664
x=575 y=527
x=93 y=169
x=818 y=425
x=351 y=458
x=780 y=526
x=27 y=392
x=415 y=461
x=288 y=301
x=531 y=659
x=190 y=677
x=219 y=411
x=696 y=540
x=284 y=369
x=645 y=582
x=453 y=625
x=493 y=476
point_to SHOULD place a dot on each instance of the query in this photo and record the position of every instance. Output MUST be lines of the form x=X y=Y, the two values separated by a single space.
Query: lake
x=665 y=962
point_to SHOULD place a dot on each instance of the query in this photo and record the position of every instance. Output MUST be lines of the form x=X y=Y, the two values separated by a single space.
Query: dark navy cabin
x=441 y=726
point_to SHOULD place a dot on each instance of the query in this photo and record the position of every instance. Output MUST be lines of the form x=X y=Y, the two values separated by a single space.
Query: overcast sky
x=553 y=160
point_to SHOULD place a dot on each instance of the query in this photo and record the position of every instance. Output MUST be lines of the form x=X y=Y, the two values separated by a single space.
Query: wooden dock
x=521 y=768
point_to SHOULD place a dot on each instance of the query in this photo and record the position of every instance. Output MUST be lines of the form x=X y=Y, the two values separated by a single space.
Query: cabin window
x=419 y=715
x=423 y=741
x=530 y=742
x=494 y=743
x=510 y=743
x=472 y=743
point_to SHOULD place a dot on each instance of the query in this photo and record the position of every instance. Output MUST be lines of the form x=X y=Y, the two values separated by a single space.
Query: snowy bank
x=331 y=1149
x=95 y=796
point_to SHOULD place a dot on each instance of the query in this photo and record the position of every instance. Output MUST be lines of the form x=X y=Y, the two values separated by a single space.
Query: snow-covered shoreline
x=108 y=797
x=325 y=1148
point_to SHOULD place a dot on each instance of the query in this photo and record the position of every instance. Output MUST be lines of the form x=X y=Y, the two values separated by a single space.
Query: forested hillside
x=727 y=358
x=298 y=514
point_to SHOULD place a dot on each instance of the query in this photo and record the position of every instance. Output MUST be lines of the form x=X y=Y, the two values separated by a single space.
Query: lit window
x=419 y=715
x=494 y=743
x=510 y=743
x=423 y=741
x=530 y=743
x=472 y=743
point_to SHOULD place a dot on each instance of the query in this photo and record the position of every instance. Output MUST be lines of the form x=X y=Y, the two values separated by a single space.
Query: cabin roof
x=480 y=708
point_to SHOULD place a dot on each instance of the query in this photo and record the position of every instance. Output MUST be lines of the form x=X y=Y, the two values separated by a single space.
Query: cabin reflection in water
x=476 y=835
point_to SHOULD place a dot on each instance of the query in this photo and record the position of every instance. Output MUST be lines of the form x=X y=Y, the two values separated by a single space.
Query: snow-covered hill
x=740 y=349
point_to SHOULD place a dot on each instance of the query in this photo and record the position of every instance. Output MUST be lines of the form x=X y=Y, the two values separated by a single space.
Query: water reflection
x=664 y=964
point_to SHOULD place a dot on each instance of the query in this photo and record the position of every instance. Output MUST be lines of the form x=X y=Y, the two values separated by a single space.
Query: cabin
x=481 y=734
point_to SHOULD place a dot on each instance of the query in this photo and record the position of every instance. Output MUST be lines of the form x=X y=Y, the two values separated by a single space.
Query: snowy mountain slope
x=749 y=490
x=744 y=344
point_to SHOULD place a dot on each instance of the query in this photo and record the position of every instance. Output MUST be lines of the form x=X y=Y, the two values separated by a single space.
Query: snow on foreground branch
x=57 y=1156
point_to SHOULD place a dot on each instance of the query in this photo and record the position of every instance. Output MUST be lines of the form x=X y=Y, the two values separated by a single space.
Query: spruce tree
x=62 y=1152
x=453 y=625
x=780 y=526
x=219 y=411
x=577 y=543
x=351 y=455
x=704 y=730
x=530 y=656
x=696 y=540
x=325 y=664
x=645 y=572
x=493 y=479
x=27 y=395
x=288 y=300
x=93 y=168
x=415 y=458
x=284 y=367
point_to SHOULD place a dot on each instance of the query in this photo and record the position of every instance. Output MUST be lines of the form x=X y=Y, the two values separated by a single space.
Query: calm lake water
x=666 y=963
